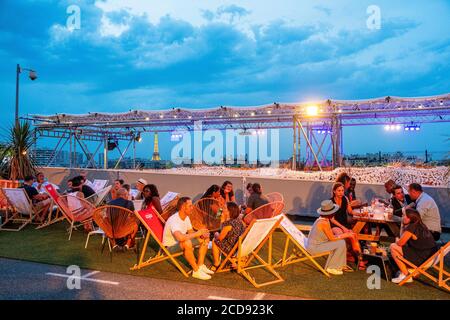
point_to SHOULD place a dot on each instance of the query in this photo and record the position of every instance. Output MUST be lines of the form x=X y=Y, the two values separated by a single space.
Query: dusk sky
x=197 y=54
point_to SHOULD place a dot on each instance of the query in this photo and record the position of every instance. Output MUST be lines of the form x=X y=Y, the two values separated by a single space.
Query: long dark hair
x=343 y=178
x=210 y=191
x=222 y=189
x=153 y=190
x=416 y=219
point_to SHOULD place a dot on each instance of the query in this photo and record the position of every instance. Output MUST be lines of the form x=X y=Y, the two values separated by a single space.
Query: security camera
x=33 y=75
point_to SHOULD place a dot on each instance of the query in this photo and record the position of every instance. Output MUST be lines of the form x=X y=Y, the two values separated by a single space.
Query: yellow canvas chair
x=295 y=247
x=436 y=263
x=154 y=225
x=247 y=249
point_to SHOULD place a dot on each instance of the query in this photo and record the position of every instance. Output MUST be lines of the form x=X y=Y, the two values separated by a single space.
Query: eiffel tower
x=155 y=156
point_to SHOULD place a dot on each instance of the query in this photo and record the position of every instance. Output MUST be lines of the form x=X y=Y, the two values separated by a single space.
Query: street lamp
x=32 y=75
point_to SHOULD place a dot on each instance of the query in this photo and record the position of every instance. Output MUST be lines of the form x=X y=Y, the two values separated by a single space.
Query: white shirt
x=429 y=212
x=174 y=224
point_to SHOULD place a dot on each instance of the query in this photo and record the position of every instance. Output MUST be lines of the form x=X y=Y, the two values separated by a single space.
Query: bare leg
x=202 y=251
x=189 y=253
x=396 y=251
x=216 y=254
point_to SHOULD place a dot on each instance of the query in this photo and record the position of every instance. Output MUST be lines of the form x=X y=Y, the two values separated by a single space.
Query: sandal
x=347 y=268
x=214 y=268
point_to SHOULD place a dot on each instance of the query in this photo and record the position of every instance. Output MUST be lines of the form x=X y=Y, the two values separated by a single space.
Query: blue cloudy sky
x=204 y=53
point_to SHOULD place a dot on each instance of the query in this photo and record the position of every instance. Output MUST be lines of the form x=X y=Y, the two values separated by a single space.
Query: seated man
x=140 y=184
x=428 y=209
x=41 y=183
x=122 y=200
x=178 y=234
x=79 y=186
x=399 y=200
x=41 y=201
x=130 y=226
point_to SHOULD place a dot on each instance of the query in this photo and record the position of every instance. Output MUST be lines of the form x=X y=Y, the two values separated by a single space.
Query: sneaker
x=400 y=279
x=205 y=269
x=335 y=272
x=199 y=274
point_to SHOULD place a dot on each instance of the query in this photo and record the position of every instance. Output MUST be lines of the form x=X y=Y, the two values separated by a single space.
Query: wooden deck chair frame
x=162 y=254
x=244 y=262
x=73 y=224
x=298 y=253
x=58 y=214
x=17 y=216
x=99 y=196
x=431 y=262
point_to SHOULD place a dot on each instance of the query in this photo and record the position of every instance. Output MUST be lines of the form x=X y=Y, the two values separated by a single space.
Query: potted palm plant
x=15 y=159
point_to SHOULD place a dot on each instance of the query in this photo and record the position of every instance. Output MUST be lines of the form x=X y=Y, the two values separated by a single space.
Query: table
x=377 y=219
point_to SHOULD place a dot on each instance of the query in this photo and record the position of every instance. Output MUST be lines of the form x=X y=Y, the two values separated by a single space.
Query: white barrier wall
x=301 y=197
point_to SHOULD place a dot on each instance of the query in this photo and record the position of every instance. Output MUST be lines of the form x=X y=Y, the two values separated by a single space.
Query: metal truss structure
x=308 y=120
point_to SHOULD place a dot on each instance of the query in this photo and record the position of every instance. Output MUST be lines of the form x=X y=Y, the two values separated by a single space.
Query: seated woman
x=255 y=201
x=322 y=239
x=227 y=193
x=213 y=192
x=232 y=229
x=151 y=198
x=415 y=245
x=342 y=223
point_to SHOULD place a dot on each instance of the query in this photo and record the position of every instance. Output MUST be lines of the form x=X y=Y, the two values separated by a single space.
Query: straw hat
x=327 y=207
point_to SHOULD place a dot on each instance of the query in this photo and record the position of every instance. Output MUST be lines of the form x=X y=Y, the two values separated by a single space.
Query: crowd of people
x=331 y=232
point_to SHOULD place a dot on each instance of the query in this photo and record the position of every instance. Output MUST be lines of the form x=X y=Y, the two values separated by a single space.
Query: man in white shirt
x=179 y=235
x=428 y=209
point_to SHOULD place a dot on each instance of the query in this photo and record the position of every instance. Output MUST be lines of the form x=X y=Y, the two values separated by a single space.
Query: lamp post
x=33 y=76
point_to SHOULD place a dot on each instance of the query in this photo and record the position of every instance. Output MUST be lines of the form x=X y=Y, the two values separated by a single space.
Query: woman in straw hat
x=322 y=239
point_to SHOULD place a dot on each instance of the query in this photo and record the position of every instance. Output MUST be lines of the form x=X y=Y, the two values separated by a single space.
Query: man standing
x=427 y=208
x=178 y=234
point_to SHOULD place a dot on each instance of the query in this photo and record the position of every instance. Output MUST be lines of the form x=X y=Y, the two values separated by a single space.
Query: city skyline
x=152 y=56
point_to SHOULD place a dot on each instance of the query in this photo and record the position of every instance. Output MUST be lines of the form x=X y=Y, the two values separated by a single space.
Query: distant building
x=43 y=156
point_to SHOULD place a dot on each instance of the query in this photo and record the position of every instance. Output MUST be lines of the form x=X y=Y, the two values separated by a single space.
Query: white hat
x=327 y=207
x=143 y=181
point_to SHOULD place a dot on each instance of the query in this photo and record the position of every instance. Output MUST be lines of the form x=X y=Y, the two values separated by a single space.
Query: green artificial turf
x=50 y=245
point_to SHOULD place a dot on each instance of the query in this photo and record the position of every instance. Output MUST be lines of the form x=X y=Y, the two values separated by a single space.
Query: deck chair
x=99 y=196
x=77 y=211
x=98 y=184
x=54 y=195
x=436 y=263
x=247 y=248
x=23 y=211
x=155 y=229
x=275 y=196
x=7 y=184
x=298 y=252
x=116 y=222
x=205 y=214
x=269 y=210
x=169 y=204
